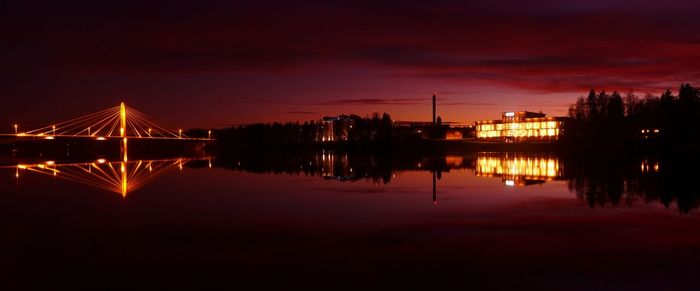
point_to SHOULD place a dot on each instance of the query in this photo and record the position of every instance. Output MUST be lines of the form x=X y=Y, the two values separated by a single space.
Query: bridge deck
x=89 y=137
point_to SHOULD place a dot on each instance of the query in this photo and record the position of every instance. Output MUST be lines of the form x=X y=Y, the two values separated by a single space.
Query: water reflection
x=120 y=177
x=618 y=181
x=519 y=169
x=596 y=181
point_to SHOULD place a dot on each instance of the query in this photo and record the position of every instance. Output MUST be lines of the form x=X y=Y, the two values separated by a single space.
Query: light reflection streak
x=121 y=177
x=519 y=169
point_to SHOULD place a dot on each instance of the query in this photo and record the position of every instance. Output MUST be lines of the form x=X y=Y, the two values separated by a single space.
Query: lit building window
x=521 y=125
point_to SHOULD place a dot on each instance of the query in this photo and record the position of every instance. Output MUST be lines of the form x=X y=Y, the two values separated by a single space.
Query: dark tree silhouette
x=603 y=118
x=374 y=129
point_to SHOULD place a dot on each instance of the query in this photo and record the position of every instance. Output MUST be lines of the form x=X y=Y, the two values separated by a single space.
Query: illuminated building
x=454 y=134
x=648 y=133
x=649 y=166
x=336 y=128
x=519 y=169
x=521 y=126
x=420 y=129
x=426 y=130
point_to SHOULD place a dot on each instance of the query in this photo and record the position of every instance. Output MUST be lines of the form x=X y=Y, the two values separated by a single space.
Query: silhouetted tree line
x=373 y=129
x=336 y=165
x=625 y=181
x=342 y=167
x=603 y=117
x=269 y=134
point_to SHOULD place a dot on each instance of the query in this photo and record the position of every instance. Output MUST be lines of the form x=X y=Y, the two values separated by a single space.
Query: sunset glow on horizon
x=239 y=62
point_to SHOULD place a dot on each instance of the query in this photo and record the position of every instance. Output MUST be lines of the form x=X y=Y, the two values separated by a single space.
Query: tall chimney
x=434 y=108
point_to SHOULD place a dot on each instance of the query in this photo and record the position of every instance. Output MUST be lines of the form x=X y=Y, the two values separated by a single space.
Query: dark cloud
x=364 y=101
x=302 y=112
x=386 y=101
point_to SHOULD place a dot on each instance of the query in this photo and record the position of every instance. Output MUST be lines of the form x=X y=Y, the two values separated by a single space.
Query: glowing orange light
x=516 y=168
x=125 y=184
x=122 y=115
x=124 y=149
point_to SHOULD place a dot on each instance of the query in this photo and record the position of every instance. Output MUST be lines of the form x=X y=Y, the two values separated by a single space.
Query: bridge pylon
x=122 y=115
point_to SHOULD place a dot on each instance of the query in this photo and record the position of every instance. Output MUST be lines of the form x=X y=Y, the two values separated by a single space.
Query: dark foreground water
x=337 y=221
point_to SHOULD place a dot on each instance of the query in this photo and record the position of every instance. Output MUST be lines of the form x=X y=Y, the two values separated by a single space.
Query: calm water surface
x=526 y=221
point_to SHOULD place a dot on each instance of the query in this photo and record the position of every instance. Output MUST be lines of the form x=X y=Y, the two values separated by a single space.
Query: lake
x=329 y=220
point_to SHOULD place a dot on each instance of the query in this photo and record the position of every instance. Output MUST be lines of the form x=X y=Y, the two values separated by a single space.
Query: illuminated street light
x=16 y=126
x=54 y=130
x=210 y=134
x=179 y=131
x=149 y=132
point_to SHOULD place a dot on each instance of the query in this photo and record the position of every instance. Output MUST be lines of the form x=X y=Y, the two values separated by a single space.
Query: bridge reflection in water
x=121 y=177
x=520 y=169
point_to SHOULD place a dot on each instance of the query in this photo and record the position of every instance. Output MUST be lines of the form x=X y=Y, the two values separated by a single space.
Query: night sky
x=209 y=63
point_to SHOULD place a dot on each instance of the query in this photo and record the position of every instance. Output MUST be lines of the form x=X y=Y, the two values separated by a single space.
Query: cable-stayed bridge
x=120 y=122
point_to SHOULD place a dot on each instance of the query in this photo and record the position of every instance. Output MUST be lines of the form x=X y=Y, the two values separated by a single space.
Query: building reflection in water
x=519 y=169
x=121 y=177
x=342 y=167
x=648 y=166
